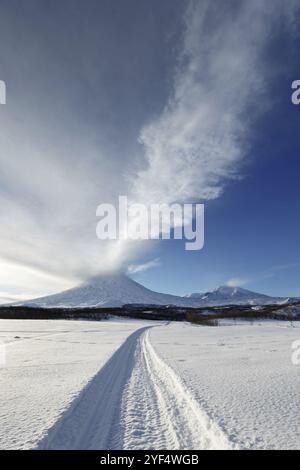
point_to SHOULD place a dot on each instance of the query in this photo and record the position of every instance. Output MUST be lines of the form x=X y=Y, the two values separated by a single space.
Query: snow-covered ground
x=46 y=368
x=242 y=377
x=133 y=384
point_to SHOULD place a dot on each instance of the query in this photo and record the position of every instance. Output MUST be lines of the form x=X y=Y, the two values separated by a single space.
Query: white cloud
x=237 y=282
x=203 y=134
x=138 y=268
x=266 y=274
x=8 y=297
x=55 y=168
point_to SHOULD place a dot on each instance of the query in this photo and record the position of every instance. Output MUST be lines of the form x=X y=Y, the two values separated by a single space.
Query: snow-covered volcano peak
x=107 y=278
x=107 y=290
x=224 y=295
x=230 y=290
x=115 y=289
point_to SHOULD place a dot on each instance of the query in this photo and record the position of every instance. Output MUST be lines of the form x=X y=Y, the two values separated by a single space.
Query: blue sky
x=168 y=101
x=252 y=232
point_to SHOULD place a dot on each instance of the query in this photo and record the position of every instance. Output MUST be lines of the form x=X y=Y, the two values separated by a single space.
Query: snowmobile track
x=136 y=401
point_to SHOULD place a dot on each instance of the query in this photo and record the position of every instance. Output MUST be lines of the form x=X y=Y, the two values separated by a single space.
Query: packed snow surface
x=242 y=376
x=145 y=385
x=48 y=363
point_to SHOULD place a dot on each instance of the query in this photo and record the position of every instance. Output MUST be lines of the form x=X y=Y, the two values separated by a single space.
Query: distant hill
x=117 y=289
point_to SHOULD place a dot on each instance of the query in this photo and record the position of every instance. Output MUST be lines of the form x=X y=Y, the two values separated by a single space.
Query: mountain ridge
x=117 y=289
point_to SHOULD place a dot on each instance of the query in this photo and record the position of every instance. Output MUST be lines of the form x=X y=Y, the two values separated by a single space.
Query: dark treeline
x=207 y=315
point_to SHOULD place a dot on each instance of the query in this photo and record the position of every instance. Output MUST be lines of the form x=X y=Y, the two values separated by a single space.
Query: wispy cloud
x=203 y=134
x=8 y=297
x=237 y=282
x=266 y=274
x=67 y=144
x=139 y=268
x=274 y=270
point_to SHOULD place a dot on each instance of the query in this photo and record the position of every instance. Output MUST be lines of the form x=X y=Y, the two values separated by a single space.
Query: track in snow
x=136 y=401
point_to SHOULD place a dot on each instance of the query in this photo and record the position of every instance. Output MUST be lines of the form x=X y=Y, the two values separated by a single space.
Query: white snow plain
x=48 y=363
x=126 y=384
x=242 y=377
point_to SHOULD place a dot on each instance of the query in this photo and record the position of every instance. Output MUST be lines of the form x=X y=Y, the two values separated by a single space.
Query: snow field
x=242 y=377
x=143 y=385
x=46 y=368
